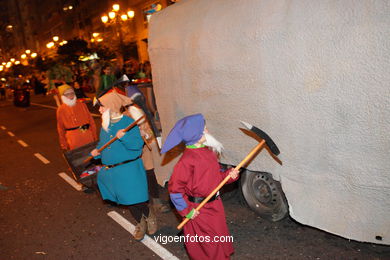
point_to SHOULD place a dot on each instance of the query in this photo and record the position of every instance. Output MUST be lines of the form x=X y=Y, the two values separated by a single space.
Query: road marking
x=69 y=180
x=40 y=105
x=40 y=157
x=147 y=241
x=3 y=127
x=11 y=134
x=22 y=143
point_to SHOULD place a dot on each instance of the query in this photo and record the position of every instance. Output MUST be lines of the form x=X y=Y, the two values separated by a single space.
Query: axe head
x=272 y=146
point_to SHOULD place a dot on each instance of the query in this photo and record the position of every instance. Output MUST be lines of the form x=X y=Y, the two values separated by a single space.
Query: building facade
x=32 y=24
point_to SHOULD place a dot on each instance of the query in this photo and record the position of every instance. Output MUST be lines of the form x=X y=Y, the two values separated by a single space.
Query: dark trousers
x=152 y=184
x=137 y=210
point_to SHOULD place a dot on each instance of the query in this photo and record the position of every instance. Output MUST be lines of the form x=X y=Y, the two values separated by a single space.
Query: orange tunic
x=69 y=117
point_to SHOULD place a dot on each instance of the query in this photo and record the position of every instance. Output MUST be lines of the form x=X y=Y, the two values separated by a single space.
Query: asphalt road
x=44 y=217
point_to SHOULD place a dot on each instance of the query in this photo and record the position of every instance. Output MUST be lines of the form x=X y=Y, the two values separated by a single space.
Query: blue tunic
x=124 y=184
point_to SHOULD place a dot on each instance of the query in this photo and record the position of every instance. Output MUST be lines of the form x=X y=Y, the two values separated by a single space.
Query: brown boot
x=140 y=230
x=151 y=221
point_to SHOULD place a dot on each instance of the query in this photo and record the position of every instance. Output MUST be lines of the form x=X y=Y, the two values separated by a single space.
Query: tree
x=72 y=50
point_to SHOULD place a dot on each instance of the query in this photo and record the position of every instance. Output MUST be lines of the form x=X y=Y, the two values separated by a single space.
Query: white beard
x=68 y=101
x=213 y=143
x=106 y=120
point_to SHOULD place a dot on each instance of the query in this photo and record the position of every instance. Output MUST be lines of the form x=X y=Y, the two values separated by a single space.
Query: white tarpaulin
x=314 y=75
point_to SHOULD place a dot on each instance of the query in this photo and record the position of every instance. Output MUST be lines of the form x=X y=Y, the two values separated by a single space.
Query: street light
x=50 y=45
x=116 y=7
x=104 y=18
x=23 y=56
x=114 y=18
x=56 y=38
x=111 y=15
x=130 y=14
x=28 y=51
x=33 y=55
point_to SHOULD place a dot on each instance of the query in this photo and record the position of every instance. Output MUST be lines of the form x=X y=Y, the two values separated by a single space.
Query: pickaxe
x=115 y=138
x=266 y=140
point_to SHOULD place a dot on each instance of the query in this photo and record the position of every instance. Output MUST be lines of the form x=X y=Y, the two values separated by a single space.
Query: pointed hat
x=188 y=130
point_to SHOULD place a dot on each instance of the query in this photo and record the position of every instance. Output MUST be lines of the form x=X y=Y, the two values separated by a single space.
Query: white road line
x=40 y=105
x=11 y=134
x=22 y=143
x=40 y=157
x=69 y=180
x=3 y=127
x=147 y=241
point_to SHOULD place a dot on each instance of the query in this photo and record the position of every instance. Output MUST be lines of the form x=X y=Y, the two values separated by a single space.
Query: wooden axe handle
x=114 y=139
x=238 y=167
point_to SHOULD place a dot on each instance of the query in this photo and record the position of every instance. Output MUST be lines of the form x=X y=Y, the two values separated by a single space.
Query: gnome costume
x=122 y=179
x=195 y=175
x=75 y=125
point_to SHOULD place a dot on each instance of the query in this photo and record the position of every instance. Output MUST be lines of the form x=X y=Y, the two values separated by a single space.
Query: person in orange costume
x=75 y=124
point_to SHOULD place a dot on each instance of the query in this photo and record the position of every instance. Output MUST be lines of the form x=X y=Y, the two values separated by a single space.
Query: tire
x=264 y=195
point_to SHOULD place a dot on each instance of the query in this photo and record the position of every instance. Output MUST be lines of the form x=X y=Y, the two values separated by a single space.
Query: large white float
x=314 y=75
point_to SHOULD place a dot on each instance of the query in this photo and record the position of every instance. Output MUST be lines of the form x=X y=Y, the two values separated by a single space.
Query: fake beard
x=106 y=120
x=213 y=143
x=68 y=101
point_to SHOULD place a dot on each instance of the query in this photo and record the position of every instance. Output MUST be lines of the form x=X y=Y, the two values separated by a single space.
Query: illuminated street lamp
x=17 y=62
x=12 y=60
x=130 y=14
x=114 y=18
x=28 y=51
x=56 y=38
x=111 y=15
x=124 y=17
x=104 y=18
x=33 y=55
x=50 y=45
x=23 y=56
x=116 y=7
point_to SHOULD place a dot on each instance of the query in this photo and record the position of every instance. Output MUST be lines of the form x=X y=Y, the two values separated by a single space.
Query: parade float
x=312 y=74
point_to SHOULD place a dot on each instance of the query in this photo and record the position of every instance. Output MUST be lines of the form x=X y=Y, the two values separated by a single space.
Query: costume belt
x=200 y=199
x=82 y=127
x=117 y=164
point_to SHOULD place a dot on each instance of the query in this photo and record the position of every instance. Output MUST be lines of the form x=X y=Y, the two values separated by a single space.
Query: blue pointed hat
x=188 y=130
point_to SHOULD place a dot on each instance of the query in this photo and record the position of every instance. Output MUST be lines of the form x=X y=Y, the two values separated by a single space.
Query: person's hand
x=193 y=214
x=120 y=133
x=95 y=152
x=196 y=213
x=234 y=174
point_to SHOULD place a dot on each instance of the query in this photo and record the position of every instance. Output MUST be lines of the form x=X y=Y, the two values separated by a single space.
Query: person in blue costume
x=123 y=179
